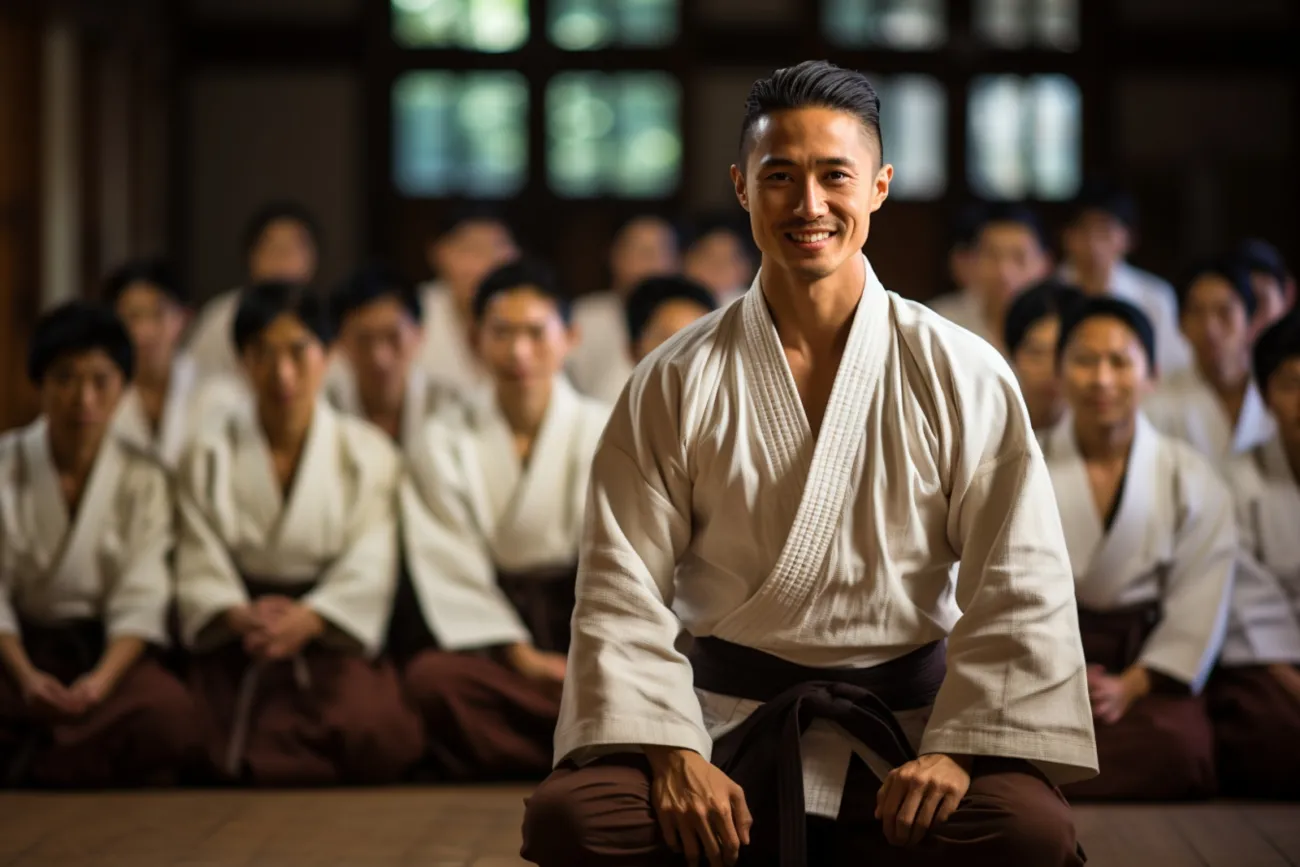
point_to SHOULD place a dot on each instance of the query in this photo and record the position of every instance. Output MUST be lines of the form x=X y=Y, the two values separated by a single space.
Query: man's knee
x=1025 y=821
x=592 y=815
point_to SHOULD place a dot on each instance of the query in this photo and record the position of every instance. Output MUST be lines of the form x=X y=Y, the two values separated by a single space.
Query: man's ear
x=742 y=195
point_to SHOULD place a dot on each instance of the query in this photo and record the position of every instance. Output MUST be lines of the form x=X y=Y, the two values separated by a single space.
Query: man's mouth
x=814 y=237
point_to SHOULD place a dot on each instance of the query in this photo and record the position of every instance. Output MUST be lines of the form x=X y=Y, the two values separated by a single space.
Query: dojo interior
x=133 y=128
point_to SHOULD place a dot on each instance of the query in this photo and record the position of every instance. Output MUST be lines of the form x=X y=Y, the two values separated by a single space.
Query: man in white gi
x=823 y=484
x=1254 y=695
x=1031 y=331
x=1214 y=405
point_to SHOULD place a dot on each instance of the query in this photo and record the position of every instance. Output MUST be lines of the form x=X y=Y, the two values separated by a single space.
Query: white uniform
x=602 y=361
x=108 y=562
x=335 y=531
x=1264 y=626
x=963 y=308
x=470 y=508
x=189 y=405
x=1172 y=540
x=212 y=343
x=925 y=496
x=424 y=397
x=1186 y=408
x=448 y=356
x=1157 y=299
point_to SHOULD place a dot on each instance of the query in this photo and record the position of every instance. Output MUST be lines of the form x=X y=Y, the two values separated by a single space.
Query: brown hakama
x=325 y=717
x=1163 y=747
x=1256 y=731
x=484 y=719
x=144 y=733
x=601 y=813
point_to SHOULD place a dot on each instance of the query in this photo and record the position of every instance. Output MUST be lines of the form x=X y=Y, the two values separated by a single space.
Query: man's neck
x=153 y=381
x=1229 y=383
x=815 y=315
x=382 y=406
x=74 y=456
x=524 y=410
x=286 y=433
x=1102 y=443
x=1095 y=281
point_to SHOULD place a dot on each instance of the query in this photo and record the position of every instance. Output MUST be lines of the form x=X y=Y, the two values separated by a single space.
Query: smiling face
x=1106 y=372
x=811 y=180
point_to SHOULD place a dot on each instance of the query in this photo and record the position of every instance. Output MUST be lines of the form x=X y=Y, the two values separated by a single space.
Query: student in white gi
x=1271 y=280
x=492 y=516
x=1097 y=240
x=721 y=256
x=660 y=307
x=85 y=531
x=1152 y=543
x=1032 y=329
x=645 y=246
x=821 y=483
x=1214 y=405
x=1254 y=696
x=1010 y=254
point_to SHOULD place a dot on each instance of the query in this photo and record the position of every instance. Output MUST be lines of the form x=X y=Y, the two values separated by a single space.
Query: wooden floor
x=479 y=827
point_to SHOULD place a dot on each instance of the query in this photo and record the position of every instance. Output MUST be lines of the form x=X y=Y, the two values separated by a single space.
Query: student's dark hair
x=1261 y=257
x=471 y=212
x=158 y=273
x=812 y=84
x=673 y=224
x=76 y=327
x=272 y=212
x=263 y=303
x=966 y=222
x=524 y=272
x=654 y=292
x=1279 y=343
x=1043 y=300
x=1231 y=270
x=1099 y=194
x=1095 y=307
x=374 y=281
x=1016 y=214
x=737 y=224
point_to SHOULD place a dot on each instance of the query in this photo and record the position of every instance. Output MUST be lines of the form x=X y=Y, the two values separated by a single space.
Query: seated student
x=660 y=307
x=375 y=377
x=1010 y=254
x=721 y=257
x=1096 y=241
x=85 y=529
x=1032 y=328
x=646 y=246
x=1254 y=695
x=1214 y=404
x=1149 y=528
x=281 y=243
x=165 y=403
x=286 y=564
x=492 y=535
x=475 y=241
x=1270 y=279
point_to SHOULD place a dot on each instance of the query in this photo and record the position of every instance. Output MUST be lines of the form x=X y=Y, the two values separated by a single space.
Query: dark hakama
x=601 y=814
x=324 y=717
x=1163 y=747
x=1257 y=733
x=143 y=733
x=484 y=719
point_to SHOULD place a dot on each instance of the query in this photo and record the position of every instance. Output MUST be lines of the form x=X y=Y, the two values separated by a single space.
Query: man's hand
x=700 y=809
x=89 y=690
x=919 y=795
x=286 y=631
x=47 y=696
x=242 y=619
x=1113 y=695
x=1287 y=675
x=546 y=670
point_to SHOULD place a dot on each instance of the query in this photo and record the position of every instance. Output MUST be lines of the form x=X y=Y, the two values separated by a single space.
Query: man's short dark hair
x=1229 y=269
x=1044 y=300
x=522 y=273
x=274 y=212
x=263 y=303
x=1114 y=308
x=1101 y=195
x=158 y=273
x=76 y=327
x=654 y=292
x=812 y=84
x=1016 y=214
x=1279 y=343
x=374 y=281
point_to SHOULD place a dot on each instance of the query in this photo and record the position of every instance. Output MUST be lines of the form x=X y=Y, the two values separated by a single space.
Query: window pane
x=913 y=123
x=473 y=25
x=1050 y=24
x=1025 y=136
x=900 y=24
x=613 y=134
x=586 y=25
x=460 y=134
